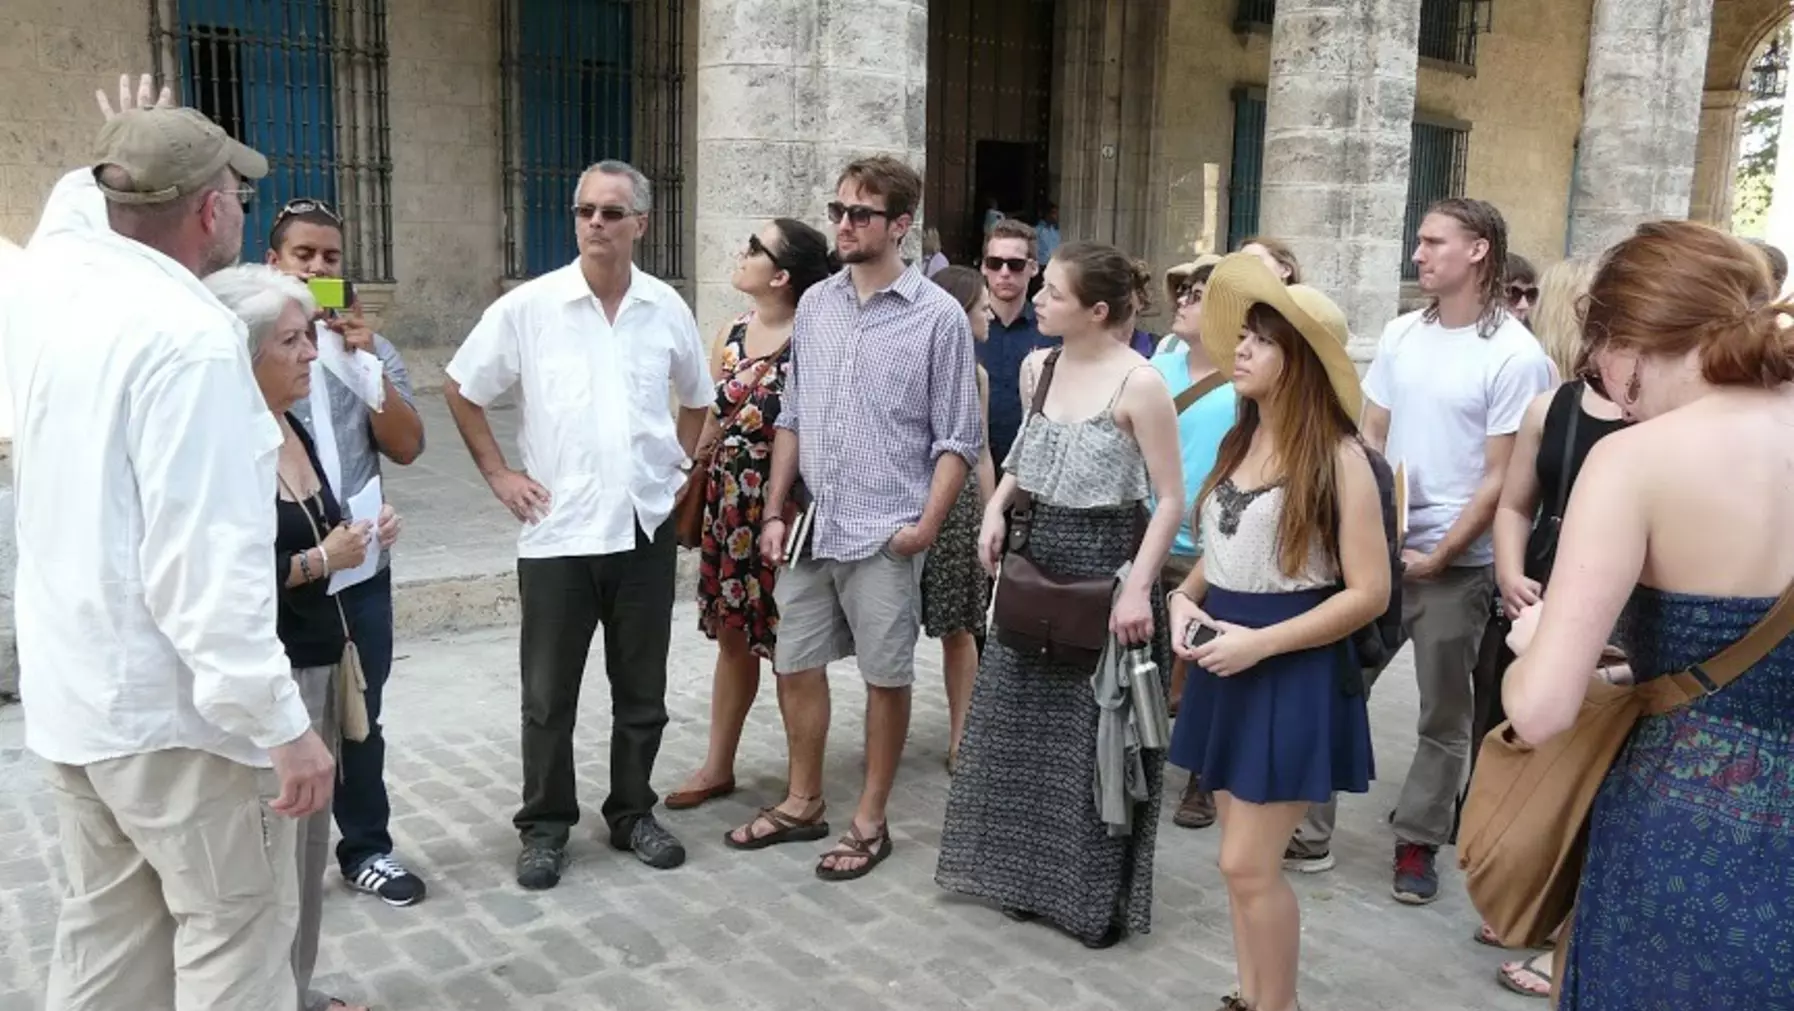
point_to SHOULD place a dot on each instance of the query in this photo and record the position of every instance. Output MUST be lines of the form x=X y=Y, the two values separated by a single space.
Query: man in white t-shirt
x=592 y=349
x=1444 y=398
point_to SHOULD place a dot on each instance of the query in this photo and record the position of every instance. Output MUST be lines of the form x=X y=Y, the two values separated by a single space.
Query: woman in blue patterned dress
x=1680 y=530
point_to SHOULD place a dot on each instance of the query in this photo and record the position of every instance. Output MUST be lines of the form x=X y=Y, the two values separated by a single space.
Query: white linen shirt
x=597 y=431
x=144 y=462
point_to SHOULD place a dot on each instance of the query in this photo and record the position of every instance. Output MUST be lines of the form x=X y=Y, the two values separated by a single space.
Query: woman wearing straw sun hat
x=1289 y=515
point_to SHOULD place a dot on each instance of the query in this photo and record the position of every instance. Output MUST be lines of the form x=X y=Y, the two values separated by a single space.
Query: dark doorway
x=990 y=83
x=1007 y=171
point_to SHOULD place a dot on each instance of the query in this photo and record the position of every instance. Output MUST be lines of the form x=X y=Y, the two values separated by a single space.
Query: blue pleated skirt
x=1289 y=729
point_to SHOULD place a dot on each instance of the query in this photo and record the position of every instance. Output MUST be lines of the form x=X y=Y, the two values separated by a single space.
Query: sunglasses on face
x=858 y=214
x=610 y=214
x=1013 y=264
x=303 y=205
x=1523 y=293
x=757 y=248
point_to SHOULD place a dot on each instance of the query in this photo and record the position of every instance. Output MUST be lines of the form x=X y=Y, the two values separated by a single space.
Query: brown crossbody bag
x=1062 y=619
x=1524 y=833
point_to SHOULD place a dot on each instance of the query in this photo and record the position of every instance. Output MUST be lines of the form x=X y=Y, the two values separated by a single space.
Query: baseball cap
x=169 y=154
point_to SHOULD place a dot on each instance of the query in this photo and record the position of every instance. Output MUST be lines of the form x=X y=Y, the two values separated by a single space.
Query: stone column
x=790 y=91
x=1716 y=156
x=1339 y=123
x=1641 y=117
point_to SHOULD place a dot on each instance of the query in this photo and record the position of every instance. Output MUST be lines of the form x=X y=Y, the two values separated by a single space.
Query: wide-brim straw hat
x=1176 y=276
x=1242 y=281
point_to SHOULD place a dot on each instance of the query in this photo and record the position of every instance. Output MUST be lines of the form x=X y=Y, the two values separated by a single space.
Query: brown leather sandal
x=871 y=852
x=785 y=828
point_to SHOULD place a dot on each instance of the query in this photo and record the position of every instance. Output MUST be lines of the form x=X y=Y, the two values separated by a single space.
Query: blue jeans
x=362 y=809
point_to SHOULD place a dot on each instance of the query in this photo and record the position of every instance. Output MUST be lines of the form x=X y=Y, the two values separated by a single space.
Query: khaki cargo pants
x=181 y=892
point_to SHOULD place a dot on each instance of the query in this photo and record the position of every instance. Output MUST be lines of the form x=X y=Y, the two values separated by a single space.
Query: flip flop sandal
x=684 y=800
x=853 y=844
x=1507 y=975
x=786 y=828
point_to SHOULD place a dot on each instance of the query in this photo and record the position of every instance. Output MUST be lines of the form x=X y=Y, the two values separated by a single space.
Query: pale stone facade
x=1641 y=117
x=1140 y=133
x=792 y=91
x=1338 y=129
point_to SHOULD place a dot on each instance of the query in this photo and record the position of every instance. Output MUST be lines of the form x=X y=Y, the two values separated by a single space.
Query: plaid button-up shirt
x=877 y=392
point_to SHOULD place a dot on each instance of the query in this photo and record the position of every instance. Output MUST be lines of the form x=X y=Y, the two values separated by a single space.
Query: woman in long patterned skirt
x=1023 y=827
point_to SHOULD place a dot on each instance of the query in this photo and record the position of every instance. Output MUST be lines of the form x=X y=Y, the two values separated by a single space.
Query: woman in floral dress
x=955 y=590
x=735 y=605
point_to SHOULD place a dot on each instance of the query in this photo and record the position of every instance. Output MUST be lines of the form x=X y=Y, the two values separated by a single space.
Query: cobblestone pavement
x=759 y=931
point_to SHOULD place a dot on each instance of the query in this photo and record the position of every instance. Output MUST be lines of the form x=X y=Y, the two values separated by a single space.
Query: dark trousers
x=363 y=812
x=564 y=601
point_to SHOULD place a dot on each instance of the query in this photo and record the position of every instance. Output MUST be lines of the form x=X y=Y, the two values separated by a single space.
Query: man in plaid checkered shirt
x=881 y=419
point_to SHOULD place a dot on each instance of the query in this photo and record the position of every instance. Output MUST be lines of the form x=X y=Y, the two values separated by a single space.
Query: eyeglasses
x=859 y=214
x=757 y=248
x=1190 y=292
x=1523 y=293
x=609 y=213
x=997 y=264
x=305 y=205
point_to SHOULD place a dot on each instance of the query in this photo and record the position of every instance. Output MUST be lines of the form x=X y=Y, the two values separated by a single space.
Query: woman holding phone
x=1295 y=560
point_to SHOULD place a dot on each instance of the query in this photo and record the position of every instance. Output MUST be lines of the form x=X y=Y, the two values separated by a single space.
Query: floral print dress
x=734 y=584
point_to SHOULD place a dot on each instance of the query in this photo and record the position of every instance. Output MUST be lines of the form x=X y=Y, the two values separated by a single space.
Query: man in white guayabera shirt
x=1444 y=398
x=152 y=678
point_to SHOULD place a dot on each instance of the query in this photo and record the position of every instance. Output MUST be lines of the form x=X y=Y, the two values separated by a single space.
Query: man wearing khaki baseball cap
x=152 y=678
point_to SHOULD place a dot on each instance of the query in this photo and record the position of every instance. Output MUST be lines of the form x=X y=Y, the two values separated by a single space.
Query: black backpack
x=1378 y=642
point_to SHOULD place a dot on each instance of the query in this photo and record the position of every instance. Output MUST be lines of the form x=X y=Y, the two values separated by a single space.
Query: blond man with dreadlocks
x=1444 y=397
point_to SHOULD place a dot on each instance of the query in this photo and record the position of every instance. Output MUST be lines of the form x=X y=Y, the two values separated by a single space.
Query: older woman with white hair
x=313 y=539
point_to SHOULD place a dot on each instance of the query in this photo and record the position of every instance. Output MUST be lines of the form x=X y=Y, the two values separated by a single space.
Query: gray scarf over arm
x=1120 y=774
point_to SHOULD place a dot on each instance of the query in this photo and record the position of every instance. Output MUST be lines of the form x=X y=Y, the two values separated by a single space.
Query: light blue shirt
x=1199 y=432
x=1046 y=240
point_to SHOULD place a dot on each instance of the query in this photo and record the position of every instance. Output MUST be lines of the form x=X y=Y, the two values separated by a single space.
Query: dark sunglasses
x=1590 y=373
x=1517 y=292
x=859 y=214
x=304 y=205
x=757 y=248
x=609 y=213
x=1014 y=264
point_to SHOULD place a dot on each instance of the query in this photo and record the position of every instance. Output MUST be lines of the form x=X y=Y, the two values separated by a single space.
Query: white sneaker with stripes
x=387 y=878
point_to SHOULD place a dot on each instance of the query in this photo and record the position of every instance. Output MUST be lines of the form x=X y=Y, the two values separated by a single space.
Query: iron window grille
x=1255 y=14
x=305 y=83
x=583 y=81
x=1436 y=166
x=1448 y=28
x=1247 y=169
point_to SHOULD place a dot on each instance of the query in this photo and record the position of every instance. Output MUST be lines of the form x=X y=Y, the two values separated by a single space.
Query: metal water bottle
x=1152 y=722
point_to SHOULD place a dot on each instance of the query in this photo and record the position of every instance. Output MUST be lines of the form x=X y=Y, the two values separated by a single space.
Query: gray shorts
x=870 y=609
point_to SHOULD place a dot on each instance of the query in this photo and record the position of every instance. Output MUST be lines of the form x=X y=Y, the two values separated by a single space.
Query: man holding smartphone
x=306 y=242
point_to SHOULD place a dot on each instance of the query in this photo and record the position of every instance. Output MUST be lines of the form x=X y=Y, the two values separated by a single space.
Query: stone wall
x=788 y=94
x=53 y=55
x=1522 y=139
x=1524 y=107
x=443 y=107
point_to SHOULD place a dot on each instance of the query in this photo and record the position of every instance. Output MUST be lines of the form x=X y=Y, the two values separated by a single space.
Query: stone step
x=449 y=604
